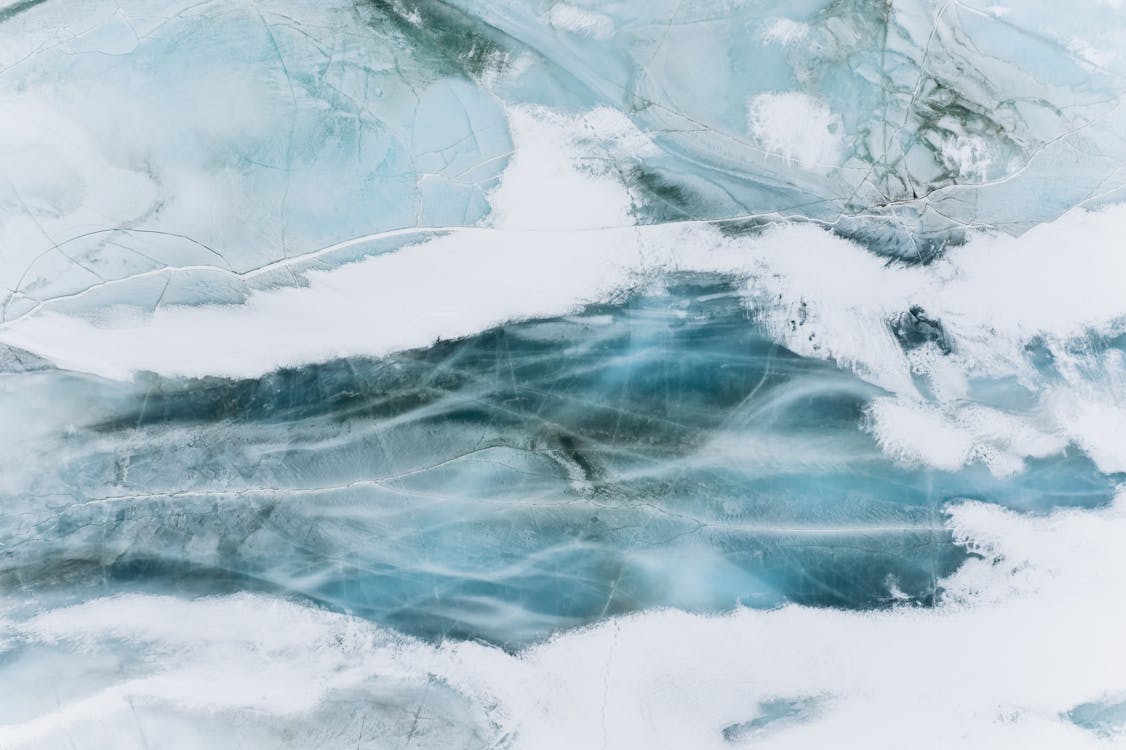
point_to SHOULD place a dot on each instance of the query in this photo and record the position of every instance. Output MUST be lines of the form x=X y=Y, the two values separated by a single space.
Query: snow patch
x=798 y=128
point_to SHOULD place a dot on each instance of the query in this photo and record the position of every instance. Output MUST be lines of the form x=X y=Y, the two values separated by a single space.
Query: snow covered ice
x=527 y=374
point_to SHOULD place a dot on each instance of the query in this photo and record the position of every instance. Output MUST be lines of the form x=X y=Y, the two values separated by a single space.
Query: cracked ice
x=528 y=374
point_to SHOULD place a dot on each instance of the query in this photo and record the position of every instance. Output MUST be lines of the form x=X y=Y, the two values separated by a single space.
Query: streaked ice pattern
x=528 y=374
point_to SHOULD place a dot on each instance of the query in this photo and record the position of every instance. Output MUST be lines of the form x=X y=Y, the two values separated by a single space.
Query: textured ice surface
x=540 y=374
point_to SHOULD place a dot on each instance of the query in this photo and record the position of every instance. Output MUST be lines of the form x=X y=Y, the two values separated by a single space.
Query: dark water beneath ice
x=658 y=451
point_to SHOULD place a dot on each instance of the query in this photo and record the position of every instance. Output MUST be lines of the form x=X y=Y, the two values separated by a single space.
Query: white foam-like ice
x=920 y=433
x=584 y=21
x=815 y=145
x=1092 y=411
x=554 y=182
x=785 y=31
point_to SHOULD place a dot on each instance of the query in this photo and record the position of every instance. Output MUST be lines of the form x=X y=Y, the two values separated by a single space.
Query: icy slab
x=531 y=374
x=661 y=451
x=144 y=136
x=240 y=670
x=918 y=119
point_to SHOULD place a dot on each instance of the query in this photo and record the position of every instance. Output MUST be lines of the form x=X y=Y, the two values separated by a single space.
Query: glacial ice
x=532 y=374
